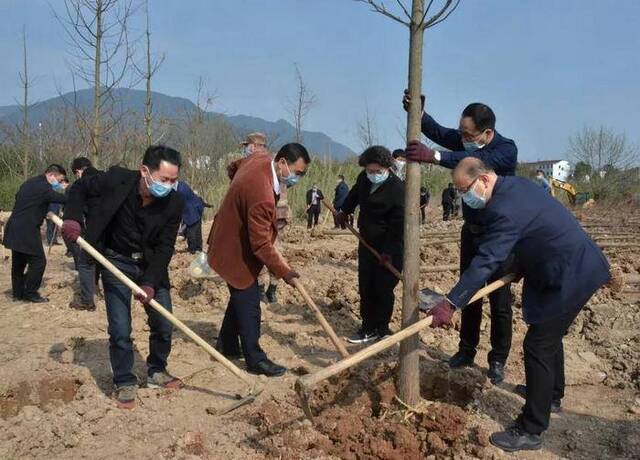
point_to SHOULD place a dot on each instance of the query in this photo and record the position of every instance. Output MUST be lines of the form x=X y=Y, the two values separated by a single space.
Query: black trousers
x=241 y=325
x=313 y=214
x=447 y=210
x=375 y=286
x=193 y=234
x=544 y=370
x=423 y=214
x=26 y=284
x=500 y=302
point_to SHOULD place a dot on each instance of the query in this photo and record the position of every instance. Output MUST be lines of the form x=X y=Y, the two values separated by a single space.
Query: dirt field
x=55 y=382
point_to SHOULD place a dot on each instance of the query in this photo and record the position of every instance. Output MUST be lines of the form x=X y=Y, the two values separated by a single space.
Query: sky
x=548 y=68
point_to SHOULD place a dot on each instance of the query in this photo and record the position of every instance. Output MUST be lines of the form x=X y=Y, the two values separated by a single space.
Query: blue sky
x=546 y=67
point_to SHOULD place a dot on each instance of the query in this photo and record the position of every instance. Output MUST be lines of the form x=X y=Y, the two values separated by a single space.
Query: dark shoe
x=556 y=404
x=35 y=299
x=496 y=372
x=515 y=439
x=384 y=332
x=271 y=293
x=77 y=305
x=17 y=298
x=263 y=296
x=268 y=368
x=231 y=356
x=363 y=337
x=460 y=359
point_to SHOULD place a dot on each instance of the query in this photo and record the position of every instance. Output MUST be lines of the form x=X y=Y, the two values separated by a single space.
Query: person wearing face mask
x=241 y=242
x=314 y=198
x=254 y=143
x=542 y=180
x=22 y=232
x=477 y=137
x=380 y=195
x=135 y=225
x=561 y=268
x=399 y=163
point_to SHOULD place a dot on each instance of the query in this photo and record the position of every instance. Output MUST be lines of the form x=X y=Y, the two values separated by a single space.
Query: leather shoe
x=36 y=299
x=515 y=439
x=496 y=372
x=556 y=404
x=460 y=359
x=268 y=368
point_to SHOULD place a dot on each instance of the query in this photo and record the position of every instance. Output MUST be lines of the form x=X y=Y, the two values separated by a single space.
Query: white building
x=558 y=169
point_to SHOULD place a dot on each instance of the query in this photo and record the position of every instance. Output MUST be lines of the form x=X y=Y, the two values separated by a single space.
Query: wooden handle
x=311 y=379
x=159 y=308
x=376 y=254
x=321 y=319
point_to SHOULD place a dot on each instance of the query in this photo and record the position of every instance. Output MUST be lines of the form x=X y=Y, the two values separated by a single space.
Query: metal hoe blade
x=427 y=299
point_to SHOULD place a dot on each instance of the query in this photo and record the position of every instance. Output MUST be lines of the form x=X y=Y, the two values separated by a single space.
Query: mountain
x=132 y=101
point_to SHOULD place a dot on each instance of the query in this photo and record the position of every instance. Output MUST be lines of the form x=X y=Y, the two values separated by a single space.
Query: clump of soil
x=41 y=393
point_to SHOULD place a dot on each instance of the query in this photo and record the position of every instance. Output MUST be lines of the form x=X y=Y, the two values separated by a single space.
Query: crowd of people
x=511 y=225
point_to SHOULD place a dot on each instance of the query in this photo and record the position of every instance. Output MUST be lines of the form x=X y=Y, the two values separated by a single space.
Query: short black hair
x=450 y=184
x=55 y=168
x=481 y=114
x=340 y=176
x=397 y=153
x=80 y=163
x=155 y=154
x=65 y=180
x=292 y=152
x=376 y=154
x=540 y=171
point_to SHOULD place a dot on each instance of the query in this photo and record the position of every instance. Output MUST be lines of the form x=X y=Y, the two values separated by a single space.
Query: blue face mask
x=57 y=186
x=473 y=200
x=472 y=146
x=291 y=180
x=378 y=178
x=157 y=189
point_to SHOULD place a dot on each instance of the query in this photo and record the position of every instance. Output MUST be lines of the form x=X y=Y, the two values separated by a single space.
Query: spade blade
x=427 y=299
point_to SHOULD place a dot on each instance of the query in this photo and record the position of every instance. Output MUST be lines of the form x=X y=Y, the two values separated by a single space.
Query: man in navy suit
x=477 y=137
x=561 y=267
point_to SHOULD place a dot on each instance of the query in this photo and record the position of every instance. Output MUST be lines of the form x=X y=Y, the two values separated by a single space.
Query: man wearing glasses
x=476 y=136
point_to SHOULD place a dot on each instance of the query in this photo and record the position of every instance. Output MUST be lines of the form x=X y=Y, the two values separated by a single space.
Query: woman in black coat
x=380 y=195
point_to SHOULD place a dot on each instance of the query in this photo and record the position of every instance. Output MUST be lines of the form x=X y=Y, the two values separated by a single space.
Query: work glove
x=289 y=277
x=406 y=100
x=385 y=259
x=71 y=230
x=417 y=151
x=145 y=298
x=442 y=314
x=341 y=218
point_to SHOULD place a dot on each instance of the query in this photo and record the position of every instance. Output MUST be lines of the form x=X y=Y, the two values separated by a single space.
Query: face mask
x=378 y=178
x=246 y=151
x=474 y=200
x=290 y=180
x=57 y=186
x=472 y=146
x=157 y=189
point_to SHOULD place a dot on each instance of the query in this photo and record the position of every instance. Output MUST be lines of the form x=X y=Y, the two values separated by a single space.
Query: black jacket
x=448 y=195
x=381 y=219
x=22 y=232
x=107 y=191
x=309 y=196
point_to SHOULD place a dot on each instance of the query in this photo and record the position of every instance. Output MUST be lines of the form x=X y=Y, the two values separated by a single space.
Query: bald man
x=561 y=267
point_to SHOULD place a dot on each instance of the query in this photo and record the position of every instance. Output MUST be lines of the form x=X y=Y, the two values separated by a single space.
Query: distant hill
x=132 y=101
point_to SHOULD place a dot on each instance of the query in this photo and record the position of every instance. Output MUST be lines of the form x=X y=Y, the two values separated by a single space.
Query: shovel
x=235 y=370
x=304 y=384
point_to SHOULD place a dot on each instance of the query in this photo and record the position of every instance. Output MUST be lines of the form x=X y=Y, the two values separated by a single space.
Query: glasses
x=469 y=187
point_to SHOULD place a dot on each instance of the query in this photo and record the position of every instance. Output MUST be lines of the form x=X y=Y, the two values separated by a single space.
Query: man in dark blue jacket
x=476 y=137
x=561 y=267
x=192 y=217
x=341 y=192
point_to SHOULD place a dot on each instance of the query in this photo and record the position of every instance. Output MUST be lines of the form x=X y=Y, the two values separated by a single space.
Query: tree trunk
x=97 y=95
x=26 y=141
x=148 y=102
x=409 y=378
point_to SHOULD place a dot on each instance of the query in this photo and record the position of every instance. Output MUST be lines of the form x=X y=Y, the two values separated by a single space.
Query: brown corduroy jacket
x=244 y=229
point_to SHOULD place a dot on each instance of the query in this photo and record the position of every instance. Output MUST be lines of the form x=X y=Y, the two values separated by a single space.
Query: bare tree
x=25 y=134
x=607 y=154
x=417 y=21
x=299 y=108
x=102 y=54
x=151 y=67
x=367 y=131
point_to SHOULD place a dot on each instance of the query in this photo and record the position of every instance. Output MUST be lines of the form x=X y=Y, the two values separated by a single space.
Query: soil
x=55 y=383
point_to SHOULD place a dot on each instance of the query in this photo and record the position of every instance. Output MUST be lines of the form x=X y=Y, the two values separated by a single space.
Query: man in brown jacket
x=241 y=242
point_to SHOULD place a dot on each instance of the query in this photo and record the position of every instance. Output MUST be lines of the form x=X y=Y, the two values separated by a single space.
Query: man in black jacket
x=314 y=198
x=448 y=201
x=22 y=232
x=135 y=225
x=380 y=195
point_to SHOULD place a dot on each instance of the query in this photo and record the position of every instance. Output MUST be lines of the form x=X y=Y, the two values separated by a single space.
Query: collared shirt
x=276 y=181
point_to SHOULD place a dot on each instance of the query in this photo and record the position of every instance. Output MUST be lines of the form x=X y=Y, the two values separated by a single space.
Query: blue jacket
x=501 y=154
x=561 y=266
x=342 y=190
x=193 y=204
